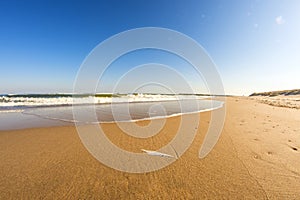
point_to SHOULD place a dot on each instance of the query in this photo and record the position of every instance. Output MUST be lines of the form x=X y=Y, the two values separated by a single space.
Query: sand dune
x=283 y=98
x=257 y=157
x=278 y=93
x=280 y=101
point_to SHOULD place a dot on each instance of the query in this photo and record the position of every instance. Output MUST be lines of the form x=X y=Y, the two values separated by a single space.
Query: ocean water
x=26 y=111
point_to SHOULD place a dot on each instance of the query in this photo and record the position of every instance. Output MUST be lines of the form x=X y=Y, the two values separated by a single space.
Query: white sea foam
x=13 y=101
x=12 y=110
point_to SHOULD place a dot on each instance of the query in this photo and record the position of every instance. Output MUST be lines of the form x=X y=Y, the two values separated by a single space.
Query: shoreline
x=43 y=118
x=256 y=157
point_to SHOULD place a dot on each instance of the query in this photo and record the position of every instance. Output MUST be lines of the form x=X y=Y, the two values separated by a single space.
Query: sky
x=255 y=45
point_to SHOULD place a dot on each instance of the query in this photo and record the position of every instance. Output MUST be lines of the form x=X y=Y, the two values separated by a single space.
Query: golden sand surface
x=256 y=157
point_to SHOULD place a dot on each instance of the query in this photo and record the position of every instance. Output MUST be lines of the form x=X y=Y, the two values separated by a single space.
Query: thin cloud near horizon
x=279 y=20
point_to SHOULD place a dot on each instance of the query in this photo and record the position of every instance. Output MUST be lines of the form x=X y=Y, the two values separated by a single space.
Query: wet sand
x=256 y=157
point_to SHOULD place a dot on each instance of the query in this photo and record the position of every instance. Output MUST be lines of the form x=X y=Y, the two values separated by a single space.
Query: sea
x=19 y=111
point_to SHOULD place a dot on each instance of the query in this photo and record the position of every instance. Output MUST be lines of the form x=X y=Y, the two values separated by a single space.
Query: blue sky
x=255 y=44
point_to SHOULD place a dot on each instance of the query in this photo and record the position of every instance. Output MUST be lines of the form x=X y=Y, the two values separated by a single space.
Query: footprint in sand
x=294 y=148
x=257 y=156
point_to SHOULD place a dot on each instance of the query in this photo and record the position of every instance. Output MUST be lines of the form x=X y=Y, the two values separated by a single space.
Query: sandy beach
x=150 y=100
x=256 y=157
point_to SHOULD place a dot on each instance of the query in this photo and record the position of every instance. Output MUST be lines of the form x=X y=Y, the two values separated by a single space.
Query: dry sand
x=292 y=101
x=256 y=157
